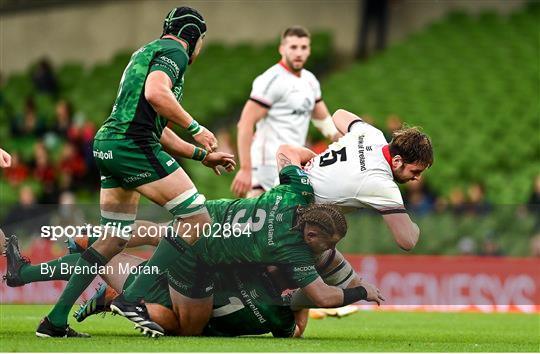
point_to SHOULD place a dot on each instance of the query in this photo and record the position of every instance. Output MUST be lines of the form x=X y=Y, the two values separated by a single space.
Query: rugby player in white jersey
x=361 y=170
x=281 y=103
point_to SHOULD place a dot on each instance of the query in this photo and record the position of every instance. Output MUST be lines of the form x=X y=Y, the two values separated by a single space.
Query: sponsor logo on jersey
x=361 y=156
x=304 y=269
x=103 y=155
x=170 y=162
x=271 y=219
x=172 y=64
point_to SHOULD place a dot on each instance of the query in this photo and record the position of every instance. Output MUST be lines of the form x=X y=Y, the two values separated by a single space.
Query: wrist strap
x=194 y=128
x=353 y=295
x=199 y=154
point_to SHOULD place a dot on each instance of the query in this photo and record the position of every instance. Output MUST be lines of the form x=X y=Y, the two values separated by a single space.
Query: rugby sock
x=76 y=285
x=167 y=251
x=58 y=269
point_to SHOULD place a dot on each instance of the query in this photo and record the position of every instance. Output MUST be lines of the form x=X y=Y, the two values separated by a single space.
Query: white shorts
x=264 y=176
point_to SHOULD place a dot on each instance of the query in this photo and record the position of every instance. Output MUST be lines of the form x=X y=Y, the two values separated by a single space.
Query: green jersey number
x=255 y=224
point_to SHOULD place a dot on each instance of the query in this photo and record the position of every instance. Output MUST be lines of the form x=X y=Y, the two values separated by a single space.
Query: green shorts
x=188 y=274
x=129 y=164
x=159 y=294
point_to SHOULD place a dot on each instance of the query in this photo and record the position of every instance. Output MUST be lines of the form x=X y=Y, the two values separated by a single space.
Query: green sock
x=52 y=270
x=76 y=285
x=164 y=255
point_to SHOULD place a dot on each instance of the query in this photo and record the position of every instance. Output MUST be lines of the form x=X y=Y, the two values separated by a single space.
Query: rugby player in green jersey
x=277 y=228
x=247 y=300
x=130 y=152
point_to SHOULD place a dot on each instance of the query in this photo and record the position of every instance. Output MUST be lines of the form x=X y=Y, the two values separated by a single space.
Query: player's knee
x=187 y=204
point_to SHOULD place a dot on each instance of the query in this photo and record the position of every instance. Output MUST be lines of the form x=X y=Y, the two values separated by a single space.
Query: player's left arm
x=177 y=146
x=323 y=121
x=293 y=155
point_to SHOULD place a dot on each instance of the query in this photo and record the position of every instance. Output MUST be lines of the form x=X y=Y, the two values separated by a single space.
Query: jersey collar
x=386 y=154
x=286 y=67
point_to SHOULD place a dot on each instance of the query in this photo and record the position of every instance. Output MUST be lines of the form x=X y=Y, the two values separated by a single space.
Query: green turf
x=365 y=331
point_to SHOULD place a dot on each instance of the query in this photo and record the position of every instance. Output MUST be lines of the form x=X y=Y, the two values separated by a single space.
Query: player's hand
x=5 y=159
x=241 y=183
x=215 y=159
x=373 y=293
x=207 y=139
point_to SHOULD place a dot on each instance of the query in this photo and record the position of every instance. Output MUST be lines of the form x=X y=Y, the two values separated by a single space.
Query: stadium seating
x=472 y=84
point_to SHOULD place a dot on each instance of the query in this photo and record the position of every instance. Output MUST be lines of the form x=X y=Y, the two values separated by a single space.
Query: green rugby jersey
x=132 y=116
x=247 y=303
x=266 y=222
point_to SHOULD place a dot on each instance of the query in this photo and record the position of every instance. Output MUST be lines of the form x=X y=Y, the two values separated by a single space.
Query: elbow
x=408 y=241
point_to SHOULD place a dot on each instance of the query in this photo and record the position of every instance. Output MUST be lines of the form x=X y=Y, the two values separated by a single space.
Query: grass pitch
x=364 y=331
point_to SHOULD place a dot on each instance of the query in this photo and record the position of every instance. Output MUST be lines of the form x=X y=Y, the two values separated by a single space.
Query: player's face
x=197 y=50
x=318 y=242
x=295 y=51
x=405 y=172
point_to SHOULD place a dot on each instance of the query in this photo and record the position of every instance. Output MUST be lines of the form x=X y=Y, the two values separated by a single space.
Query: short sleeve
x=298 y=263
x=382 y=194
x=172 y=62
x=317 y=90
x=298 y=181
x=265 y=90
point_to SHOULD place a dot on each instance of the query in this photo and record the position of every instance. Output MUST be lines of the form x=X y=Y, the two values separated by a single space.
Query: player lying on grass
x=246 y=302
x=279 y=233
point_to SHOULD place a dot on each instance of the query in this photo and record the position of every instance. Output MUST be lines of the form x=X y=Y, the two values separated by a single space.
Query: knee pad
x=189 y=203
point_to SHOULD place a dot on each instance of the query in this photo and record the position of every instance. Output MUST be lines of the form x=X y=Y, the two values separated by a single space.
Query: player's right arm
x=343 y=120
x=157 y=91
x=326 y=296
x=251 y=114
x=405 y=232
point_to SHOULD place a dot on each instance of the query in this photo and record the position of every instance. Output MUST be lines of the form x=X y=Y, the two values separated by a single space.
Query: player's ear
x=397 y=161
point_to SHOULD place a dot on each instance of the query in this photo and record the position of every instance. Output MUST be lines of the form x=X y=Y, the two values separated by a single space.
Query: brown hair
x=326 y=217
x=297 y=31
x=412 y=145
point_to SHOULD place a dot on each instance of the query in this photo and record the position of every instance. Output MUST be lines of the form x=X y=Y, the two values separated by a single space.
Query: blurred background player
x=130 y=152
x=281 y=103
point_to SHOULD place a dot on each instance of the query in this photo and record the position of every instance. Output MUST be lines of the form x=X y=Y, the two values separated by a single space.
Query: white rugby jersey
x=290 y=100
x=355 y=172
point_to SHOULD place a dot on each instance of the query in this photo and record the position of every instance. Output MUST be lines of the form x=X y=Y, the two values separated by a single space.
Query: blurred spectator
x=67 y=213
x=18 y=172
x=71 y=162
x=29 y=124
x=393 y=123
x=490 y=247
x=477 y=204
x=457 y=201
x=64 y=115
x=535 y=245
x=466 y=246
x=418 y=198
x=44 y=171
x=44 y=78
x=373 y=12
x=23 y=215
